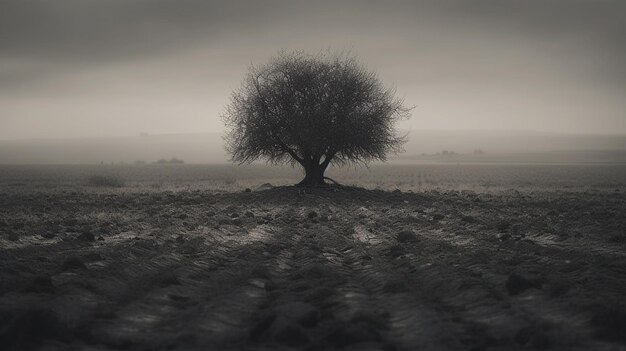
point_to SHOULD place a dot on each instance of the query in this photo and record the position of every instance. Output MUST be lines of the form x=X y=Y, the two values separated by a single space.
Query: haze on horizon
x=88 y=68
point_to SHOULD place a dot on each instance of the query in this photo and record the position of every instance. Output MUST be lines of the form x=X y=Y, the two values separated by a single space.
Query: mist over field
x=422 y=146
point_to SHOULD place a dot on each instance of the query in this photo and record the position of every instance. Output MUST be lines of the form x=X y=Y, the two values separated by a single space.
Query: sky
x=95 y=68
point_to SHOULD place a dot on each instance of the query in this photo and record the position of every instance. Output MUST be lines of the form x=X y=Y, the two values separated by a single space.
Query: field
x=403 y=257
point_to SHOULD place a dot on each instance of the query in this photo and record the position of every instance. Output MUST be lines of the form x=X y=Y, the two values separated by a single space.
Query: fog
x=87 y=68
x=424 y=146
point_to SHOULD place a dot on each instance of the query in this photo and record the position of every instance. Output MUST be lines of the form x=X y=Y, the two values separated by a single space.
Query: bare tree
x=313 y=110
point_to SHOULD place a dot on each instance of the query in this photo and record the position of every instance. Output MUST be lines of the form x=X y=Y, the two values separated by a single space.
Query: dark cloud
x=479 y=58
x=101 y=30
x=96 y=29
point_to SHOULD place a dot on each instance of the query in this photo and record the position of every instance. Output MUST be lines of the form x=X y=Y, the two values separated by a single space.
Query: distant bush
x=173 y=160
x=105 y=181
x=448 y=153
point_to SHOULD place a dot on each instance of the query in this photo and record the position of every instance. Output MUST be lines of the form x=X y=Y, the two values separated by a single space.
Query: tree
x=313 y=110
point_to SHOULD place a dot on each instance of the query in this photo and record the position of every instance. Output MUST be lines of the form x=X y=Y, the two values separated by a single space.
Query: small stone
x=248 y=190
x=406 y=236
x=504 y=237
x=312 y=214
x=100 y=238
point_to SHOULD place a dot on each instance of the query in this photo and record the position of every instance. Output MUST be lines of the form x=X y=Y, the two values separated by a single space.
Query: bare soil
x=280 y=268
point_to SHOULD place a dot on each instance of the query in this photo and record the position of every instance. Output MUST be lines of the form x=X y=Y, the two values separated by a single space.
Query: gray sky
x=86 y=68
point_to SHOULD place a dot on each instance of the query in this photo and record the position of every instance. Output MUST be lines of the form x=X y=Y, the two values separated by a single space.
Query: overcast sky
x=88 y=68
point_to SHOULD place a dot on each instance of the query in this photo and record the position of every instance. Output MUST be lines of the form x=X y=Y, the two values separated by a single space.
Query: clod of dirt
x=100 y=238
x=534 y=336
x=468 y=219
x=438 y=217
x=41 y=284
x=312 y=214
x=395 y=286
x=86 y=236
x=617 y=238
x=237 y=221
x=248 y=190
x=406 y=236
x=73 y=262
x=104 y=311
x=30 y=328
x=517 y=230
x=503 y=226
x=610 y=323
x=301 y=313
x=286 y=332
x=353 y=333
x=178 y=298
x=558 y=288
x=503 y=237
x=397 y=191
x=516 y=284
x=169 y=279
x=48 y=235
x=396 y=251
x=93 y=257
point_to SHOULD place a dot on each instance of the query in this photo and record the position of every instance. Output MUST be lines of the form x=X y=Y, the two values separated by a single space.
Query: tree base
x=312 y=183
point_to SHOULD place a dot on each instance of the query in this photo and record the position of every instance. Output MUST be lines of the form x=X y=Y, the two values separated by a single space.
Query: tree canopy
x=313 y=110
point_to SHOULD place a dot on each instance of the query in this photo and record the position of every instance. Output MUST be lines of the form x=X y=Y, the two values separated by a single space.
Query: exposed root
x=332 y=180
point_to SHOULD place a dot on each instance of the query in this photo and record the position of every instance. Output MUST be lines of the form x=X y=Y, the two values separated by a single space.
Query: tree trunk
x=314 y=175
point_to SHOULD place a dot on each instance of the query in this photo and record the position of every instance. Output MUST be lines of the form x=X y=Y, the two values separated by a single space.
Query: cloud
x=457 y=59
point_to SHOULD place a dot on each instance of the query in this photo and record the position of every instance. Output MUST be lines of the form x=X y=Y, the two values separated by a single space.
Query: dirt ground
x=281 y=268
